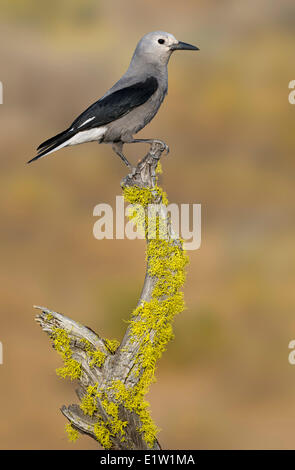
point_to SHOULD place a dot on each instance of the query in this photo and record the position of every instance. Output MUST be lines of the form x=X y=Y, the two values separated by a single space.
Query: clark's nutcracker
x=129 y=105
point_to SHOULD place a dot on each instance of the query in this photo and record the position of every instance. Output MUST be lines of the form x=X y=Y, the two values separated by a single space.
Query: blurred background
x=225 y=381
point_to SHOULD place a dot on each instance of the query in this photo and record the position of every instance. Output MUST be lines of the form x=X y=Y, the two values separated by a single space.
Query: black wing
x=116 y=105
x=104 y=111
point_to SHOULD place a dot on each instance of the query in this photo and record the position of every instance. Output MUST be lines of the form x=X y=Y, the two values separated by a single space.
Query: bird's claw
x=164 y=146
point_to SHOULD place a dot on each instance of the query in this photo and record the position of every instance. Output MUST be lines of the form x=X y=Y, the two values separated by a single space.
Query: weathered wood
x=118 y=365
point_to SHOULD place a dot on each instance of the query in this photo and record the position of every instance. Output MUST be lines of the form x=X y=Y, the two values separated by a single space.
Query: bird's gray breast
x=139 y=117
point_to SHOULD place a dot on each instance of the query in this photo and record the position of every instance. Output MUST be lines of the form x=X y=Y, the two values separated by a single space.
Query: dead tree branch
x=113 y=379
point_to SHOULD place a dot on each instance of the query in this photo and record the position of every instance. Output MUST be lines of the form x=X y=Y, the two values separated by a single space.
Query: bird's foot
x=164 y=146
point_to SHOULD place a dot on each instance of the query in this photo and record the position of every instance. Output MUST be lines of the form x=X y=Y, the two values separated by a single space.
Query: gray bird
x=129 y=105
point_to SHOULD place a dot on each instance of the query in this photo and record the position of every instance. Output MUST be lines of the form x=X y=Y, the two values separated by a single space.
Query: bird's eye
x=161 y=41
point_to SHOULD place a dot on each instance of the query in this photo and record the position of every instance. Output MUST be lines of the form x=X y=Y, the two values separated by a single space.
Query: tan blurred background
x=225 y=381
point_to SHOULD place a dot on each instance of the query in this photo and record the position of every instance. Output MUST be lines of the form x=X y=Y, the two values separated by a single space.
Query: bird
x=129 y=105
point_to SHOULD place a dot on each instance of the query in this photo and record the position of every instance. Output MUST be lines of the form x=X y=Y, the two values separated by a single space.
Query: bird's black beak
x=183 y=46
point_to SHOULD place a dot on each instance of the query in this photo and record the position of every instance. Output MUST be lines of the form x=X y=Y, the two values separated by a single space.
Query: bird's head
x=158 y=46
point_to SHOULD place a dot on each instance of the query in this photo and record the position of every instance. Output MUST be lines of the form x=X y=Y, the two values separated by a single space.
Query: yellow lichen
x=144 y=196
x=159 y=170
x=102 y=434
x=116 y=425
x=113 y=426
x=112 y=345
x=166 y=263
x=73 y=434
x=133 y=400
x=89 y=401
x=61 y=341
x=97 y=357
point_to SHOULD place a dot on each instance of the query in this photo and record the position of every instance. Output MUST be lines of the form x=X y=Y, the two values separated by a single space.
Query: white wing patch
x=87 y=136
x=85 y=122
x=81 y=137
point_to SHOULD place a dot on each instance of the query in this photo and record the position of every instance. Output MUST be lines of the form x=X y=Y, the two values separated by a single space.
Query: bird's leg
x=151 y=141
x=117 y=147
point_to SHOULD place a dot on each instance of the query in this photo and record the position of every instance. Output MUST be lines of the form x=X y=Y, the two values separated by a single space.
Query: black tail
x=52 y=143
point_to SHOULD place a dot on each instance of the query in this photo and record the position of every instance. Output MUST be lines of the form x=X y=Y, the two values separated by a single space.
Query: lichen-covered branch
x=115 y=378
